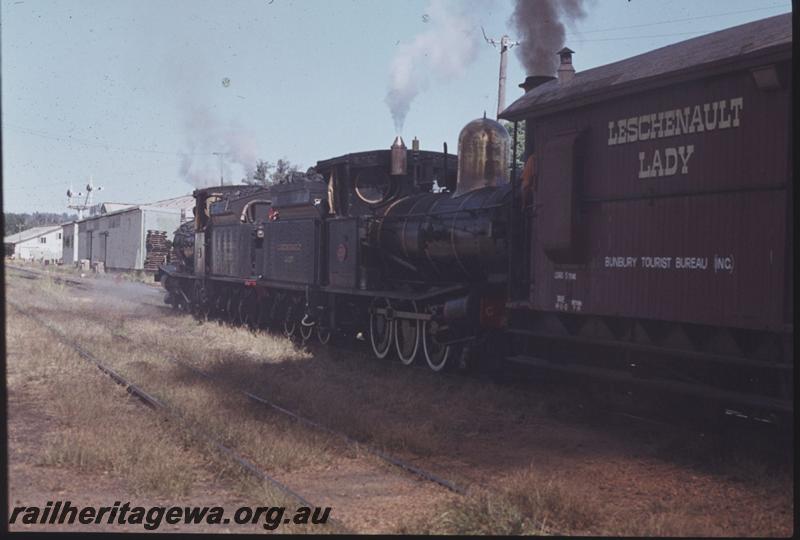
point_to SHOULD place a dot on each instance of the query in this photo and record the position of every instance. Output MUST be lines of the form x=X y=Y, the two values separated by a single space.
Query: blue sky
x=122 y=90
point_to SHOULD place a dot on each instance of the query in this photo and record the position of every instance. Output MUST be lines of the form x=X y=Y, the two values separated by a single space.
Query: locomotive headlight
x=260 y=233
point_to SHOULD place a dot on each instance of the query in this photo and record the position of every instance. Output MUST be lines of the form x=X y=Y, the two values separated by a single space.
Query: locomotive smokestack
x=398 y=157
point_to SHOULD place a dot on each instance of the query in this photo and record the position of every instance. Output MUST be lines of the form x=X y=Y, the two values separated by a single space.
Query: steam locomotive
x=647 y=239
x=394 y=244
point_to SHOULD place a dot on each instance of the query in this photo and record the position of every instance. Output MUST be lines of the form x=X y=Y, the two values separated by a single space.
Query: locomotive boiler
x=459 y=236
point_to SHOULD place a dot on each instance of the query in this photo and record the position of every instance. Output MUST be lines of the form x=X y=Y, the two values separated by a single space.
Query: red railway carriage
x=659 y=212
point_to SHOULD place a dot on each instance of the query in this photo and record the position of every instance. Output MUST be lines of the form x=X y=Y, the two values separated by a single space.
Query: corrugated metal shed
x=107 y=208
x=696 y=55
x=119 y=239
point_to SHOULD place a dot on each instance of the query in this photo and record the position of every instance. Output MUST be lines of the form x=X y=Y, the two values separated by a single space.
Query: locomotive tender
x=648 y=237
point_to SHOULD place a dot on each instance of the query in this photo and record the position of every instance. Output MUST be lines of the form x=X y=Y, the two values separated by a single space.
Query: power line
x=115 y=174
x=95 y=144
x=676 y=20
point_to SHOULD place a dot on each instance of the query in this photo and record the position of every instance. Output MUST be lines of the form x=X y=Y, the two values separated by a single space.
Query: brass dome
x=484 y=150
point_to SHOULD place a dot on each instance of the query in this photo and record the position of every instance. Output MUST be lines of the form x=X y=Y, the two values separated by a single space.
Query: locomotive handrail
x=439 y=213
x=244 y=217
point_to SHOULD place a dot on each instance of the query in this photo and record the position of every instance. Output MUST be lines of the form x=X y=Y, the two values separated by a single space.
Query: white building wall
x=44 y=247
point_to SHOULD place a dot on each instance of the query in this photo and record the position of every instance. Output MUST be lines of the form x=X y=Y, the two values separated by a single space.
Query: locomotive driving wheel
x=438 y=356
x=289 y=326
x=323 y=335
x=289 y=320
x=306 y=329
x=406 y=335
x=380 y=328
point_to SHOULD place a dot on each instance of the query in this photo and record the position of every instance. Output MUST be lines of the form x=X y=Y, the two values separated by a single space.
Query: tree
x=261 y=174
x=14 y=223
x=267 y=173
x=283 y=171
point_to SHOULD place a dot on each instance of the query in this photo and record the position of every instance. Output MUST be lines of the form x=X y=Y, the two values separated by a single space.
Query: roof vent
x=565 y=71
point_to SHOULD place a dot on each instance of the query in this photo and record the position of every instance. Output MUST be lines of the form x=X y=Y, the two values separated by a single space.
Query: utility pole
x=505 y=44
x=220 y=155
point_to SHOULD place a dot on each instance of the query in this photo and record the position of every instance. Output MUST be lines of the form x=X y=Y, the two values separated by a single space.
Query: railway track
x=397 y=462
x=159 y=405
x=656 y=420
x=27 y=273
x=387 y=458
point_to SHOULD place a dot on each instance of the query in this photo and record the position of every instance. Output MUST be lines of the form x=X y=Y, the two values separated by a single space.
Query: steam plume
x=444 y=50
x=540 y=28
x=206 y=134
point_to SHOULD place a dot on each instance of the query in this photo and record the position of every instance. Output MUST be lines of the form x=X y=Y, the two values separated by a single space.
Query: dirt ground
x=528 y=469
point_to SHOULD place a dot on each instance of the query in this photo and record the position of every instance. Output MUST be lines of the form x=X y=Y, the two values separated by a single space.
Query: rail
x=157 y=404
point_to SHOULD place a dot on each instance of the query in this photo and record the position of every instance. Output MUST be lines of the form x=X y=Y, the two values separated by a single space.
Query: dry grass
x=99 y=431
x=266 y=439
x=69 y=270
x=530 y=504
x=101 y=428
x=405 y=411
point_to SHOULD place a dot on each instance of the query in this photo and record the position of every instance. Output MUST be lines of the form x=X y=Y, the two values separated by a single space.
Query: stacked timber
x=182 y=254
x=157 y=249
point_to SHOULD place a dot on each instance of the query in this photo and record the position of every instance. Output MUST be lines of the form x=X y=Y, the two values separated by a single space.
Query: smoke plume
x=540 y=29
x=444 y=50
x=206 y=135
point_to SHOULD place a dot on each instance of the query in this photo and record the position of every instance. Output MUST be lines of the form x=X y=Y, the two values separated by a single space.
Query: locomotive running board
x=695 y=390
x=392 y=314
x=396 y=295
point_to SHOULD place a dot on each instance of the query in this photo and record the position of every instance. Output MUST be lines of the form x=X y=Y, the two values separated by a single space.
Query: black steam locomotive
x=408 y=248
